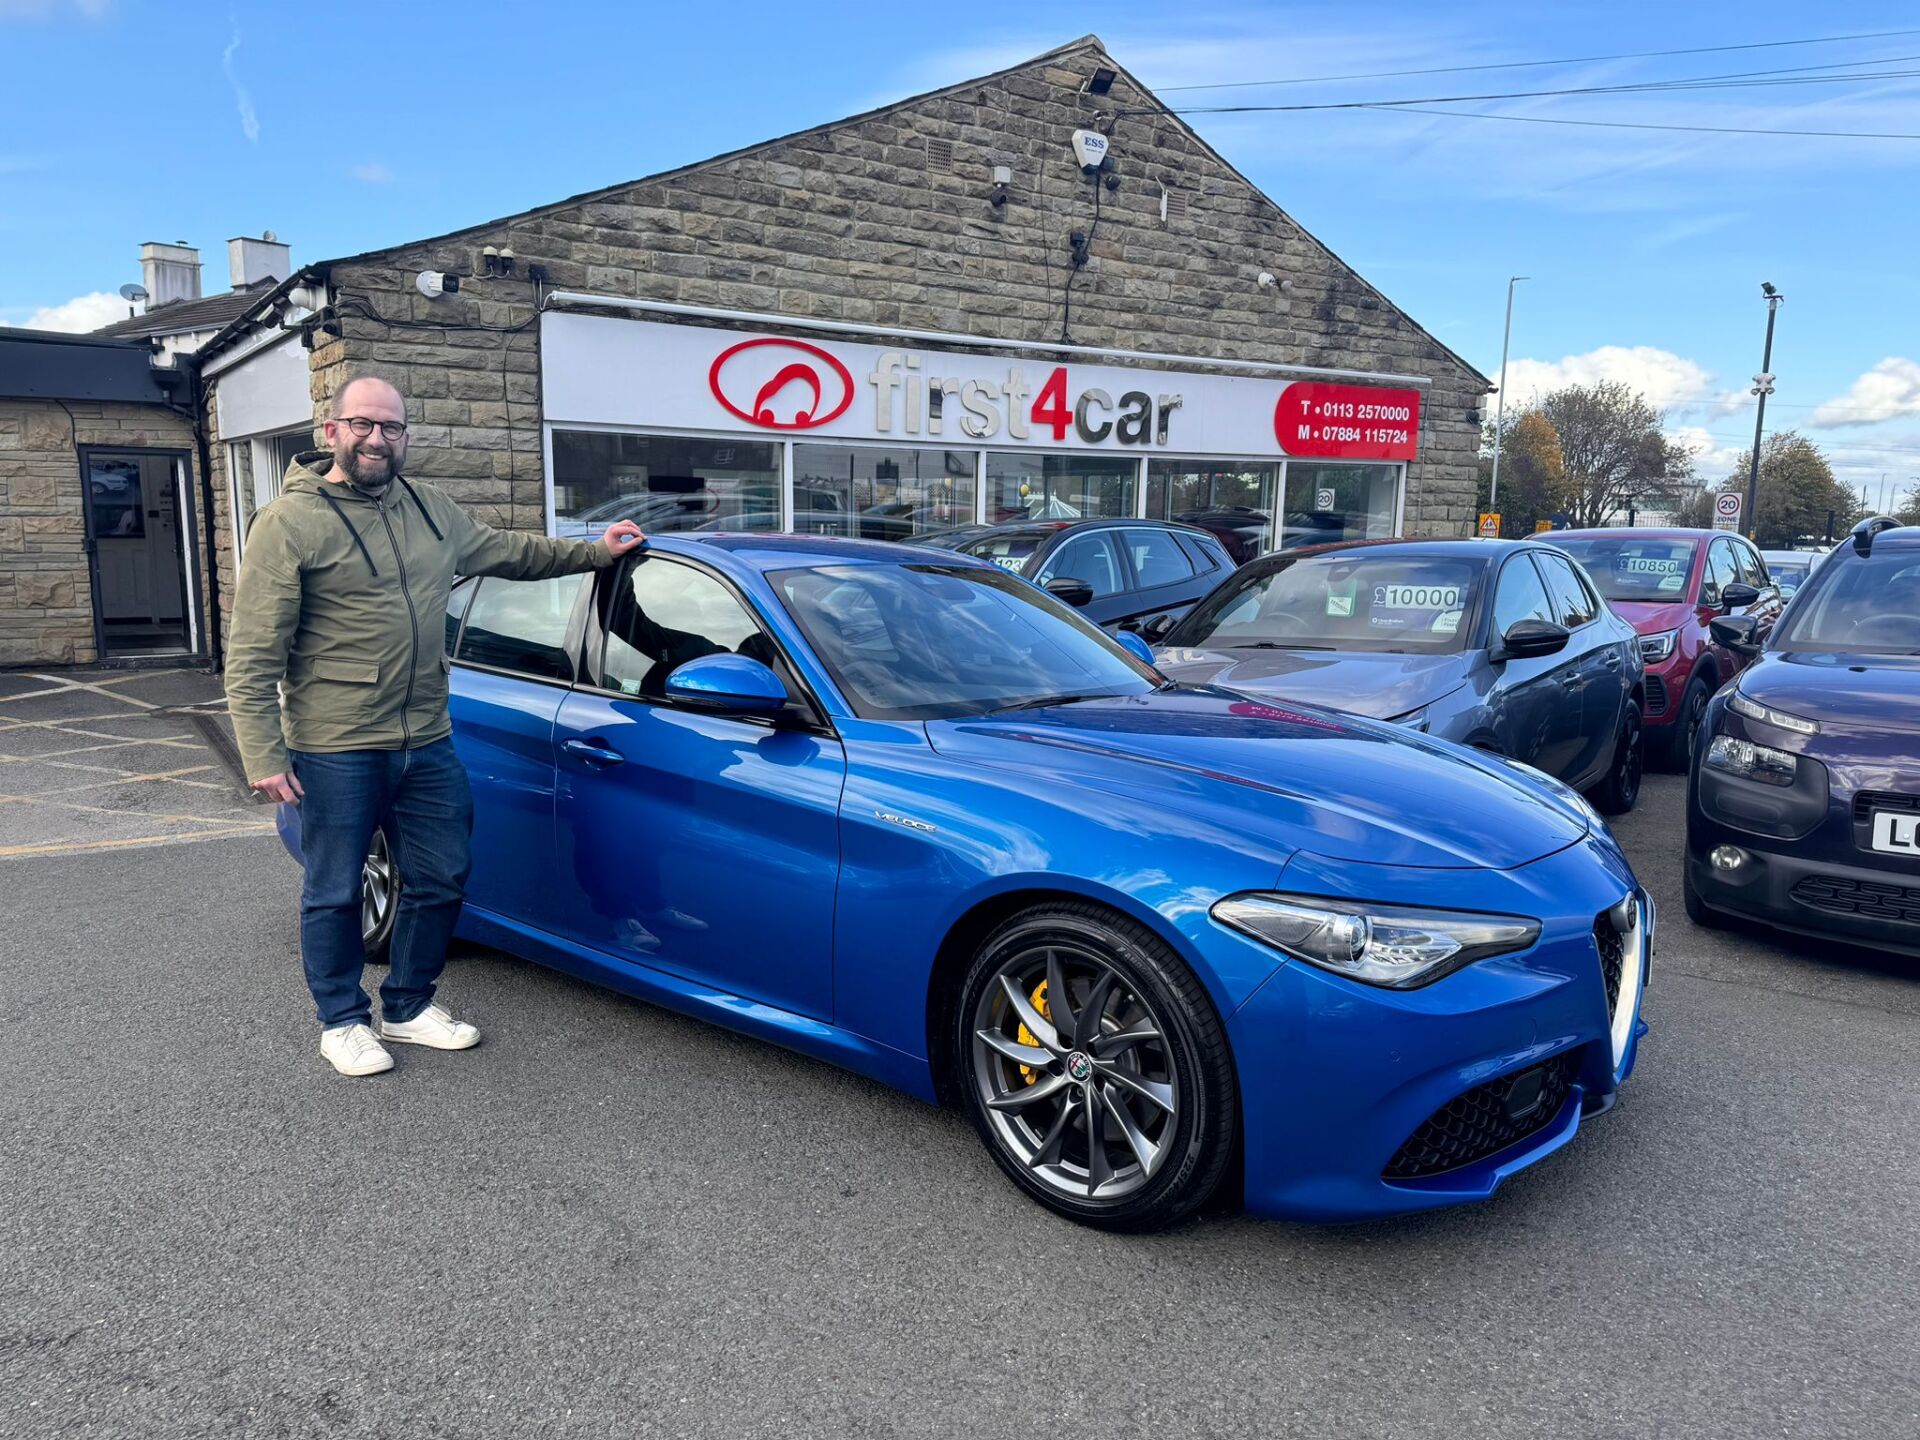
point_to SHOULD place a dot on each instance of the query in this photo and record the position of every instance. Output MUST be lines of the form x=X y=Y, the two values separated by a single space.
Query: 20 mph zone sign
x=1726 y=511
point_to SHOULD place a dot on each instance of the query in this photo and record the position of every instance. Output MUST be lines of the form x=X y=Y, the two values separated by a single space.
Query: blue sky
x=353 y=125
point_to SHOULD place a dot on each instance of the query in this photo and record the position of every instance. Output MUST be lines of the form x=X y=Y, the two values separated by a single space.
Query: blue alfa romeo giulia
x=909 y=813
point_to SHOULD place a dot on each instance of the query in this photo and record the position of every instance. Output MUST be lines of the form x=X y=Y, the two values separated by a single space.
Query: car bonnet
x=1361 y=683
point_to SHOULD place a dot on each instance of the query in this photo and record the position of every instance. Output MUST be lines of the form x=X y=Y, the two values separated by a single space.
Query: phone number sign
x=1347 y=422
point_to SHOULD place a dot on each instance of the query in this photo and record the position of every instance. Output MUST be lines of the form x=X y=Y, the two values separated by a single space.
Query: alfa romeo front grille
x=1867 y=899
x=1612 y=946
x=1484 y=1121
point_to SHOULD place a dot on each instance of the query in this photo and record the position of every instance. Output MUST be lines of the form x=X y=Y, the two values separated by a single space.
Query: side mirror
x=1528 y=639
x=1739 y=633
x=731 y=684
x=1135 y=646
x=1070 y=591
x=1737 y=596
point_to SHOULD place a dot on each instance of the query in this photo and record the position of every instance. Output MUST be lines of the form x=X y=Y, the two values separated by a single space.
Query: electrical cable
x=1066 y=295
x=1537 y=64
x=1644 y=125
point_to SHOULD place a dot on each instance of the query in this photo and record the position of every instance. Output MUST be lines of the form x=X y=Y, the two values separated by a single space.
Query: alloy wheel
x=1073 y=1068
x=377 y=891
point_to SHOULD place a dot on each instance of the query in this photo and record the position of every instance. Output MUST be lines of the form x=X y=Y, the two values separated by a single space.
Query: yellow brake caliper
x=1027 y=1037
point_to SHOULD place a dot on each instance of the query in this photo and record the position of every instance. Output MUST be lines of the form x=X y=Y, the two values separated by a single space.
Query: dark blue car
x=900 y=810
x=1803 y=806
x=1500 y=645
x=1133 y=573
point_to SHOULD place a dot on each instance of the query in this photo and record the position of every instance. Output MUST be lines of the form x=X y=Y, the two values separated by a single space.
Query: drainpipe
x=199 y=394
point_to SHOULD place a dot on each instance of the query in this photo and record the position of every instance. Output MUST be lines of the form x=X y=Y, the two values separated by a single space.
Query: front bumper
x=1815 y=897
x=1343 y=1084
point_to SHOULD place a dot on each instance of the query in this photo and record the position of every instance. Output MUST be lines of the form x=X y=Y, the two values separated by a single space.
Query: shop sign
x=1347 y=422
x=653 y=375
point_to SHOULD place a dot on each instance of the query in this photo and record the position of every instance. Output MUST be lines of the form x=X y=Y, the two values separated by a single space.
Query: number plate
x=1896 y=834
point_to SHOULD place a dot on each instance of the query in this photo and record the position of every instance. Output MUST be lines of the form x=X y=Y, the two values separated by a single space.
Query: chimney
x=171 y=272
x=252 y=261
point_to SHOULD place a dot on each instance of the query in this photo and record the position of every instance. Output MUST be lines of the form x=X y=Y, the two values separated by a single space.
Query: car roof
x=1644 y=532
x=764 y=551
x=1052 y=527
x=1454 y=547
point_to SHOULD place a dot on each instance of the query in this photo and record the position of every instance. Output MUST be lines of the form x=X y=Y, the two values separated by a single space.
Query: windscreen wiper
x=1277 y=645
x=1041 y=702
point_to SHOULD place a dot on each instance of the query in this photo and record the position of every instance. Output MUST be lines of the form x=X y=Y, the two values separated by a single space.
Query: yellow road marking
x=121 y=778
x=103 y=687
x=90 y=749
x=75 y=847
x=110 y=810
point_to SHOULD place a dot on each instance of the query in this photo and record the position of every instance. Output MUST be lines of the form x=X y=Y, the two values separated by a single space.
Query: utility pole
x=1500 y=406
x=1763 y=387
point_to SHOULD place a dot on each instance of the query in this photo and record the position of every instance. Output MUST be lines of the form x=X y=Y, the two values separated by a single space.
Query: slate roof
x=211 y=312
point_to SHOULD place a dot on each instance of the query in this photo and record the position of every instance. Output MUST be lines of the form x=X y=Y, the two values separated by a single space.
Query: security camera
x=1766 y=288
x=1266 y=280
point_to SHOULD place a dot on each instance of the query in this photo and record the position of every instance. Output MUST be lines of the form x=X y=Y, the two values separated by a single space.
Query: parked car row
x=908 y=809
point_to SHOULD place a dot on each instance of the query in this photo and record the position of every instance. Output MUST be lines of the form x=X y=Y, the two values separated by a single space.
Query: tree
x=1533 y=474
x=1909 y=511
x=1613 y=450
x=1797 y=490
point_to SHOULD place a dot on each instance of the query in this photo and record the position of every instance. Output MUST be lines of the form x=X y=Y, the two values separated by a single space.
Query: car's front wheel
x=379 y=898
x=1617 y=793
x=1684 y=733
x=1095 y=1068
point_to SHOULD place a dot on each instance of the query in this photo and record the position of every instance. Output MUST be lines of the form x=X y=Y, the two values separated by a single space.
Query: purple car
x=1803 y=804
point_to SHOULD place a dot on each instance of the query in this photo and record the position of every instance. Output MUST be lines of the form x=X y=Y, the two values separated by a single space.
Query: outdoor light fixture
x=1002 y=181
x=1101 y=81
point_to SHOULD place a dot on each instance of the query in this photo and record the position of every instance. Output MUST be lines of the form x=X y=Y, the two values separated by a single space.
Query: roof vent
x=939 y=156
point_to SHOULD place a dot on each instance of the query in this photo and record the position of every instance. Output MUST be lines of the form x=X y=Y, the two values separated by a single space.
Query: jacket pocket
x=347 y=672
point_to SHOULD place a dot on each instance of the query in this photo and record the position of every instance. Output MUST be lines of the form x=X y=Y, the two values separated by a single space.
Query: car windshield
x=1858 y=605
x=1009 y=552
x=1789 y=575
x=1344 y=600
x=1631 y=568
x=931 y=642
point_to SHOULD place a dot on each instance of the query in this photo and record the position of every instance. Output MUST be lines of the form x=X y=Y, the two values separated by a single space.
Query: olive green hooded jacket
x=339 y=619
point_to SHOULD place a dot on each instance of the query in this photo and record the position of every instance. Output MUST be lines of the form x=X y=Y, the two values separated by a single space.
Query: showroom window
x=1059 y=487
x=1234 y=499
x=663 y=482
x=881 y=494
x=1337 y=502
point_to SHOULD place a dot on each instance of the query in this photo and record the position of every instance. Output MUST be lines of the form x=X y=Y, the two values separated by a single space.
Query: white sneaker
x=352 y=1050
x=432 y=1026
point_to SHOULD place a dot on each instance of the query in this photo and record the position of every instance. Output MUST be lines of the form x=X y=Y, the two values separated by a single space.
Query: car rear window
x=1631 y=568
x=1347 y=600
x=1009 y=552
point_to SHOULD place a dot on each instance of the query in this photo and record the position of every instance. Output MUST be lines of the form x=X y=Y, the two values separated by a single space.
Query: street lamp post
x=1500 y=406
x=1763 y=387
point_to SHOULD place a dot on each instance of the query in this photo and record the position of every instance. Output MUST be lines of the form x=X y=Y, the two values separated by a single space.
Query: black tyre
x=1095 y=1069
x=1616 y=794
x=1698 y=911
x=379 y=898
x=1685 y=730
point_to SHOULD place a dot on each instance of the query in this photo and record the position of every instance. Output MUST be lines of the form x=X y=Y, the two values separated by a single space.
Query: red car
x=1668 y=584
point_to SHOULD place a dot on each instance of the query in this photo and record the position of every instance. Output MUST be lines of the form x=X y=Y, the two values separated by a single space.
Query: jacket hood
x=1871 y=693
x=311 y=472
x=1376 y=685
x=1298 y=777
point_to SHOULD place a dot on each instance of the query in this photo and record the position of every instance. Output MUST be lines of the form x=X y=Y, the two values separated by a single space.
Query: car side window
x=1157 y=557
x=1573 y=604
x=1205 y=554
x=1719 y=574
x=1751 y=568
x=521 y=625
x=665 y=614
x=1520 y=596
x=1091 y=558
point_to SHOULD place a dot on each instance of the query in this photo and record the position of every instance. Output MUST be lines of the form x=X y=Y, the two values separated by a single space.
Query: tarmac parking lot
x=609 y=1220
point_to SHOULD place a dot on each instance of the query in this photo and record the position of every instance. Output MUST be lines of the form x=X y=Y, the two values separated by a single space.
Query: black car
x=1137 y=572
x=1803 y=804
x=1500 y=645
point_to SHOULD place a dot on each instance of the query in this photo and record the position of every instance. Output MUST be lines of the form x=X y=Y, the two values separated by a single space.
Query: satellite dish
x=133 y=294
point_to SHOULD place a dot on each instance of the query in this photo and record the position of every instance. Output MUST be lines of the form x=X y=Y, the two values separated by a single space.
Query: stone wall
x=885 y=220
x=46 y=595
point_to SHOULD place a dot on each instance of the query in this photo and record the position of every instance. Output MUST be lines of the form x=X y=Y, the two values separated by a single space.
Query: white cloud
x=1713 y=458
x=80 y=314
x=249 y=121
x=373 y=173
x=1666 y=380
x=1888 y=391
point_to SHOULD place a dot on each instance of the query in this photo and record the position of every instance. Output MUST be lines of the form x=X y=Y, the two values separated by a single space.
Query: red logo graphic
x=769 y=384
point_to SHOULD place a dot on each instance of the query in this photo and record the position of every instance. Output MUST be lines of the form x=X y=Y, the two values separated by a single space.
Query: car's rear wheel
x=1616 y=794
x=1686 y=726
x=1095 y=1068
x=379 y=898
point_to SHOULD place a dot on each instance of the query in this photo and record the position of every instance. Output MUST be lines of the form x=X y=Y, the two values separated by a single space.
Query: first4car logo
x=781 y=384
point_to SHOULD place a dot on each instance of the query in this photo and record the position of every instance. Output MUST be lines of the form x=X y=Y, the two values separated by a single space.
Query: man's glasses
x=363 y=427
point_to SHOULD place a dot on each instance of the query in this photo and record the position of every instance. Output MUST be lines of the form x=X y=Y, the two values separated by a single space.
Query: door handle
x=1613 y=659
x=596 y=755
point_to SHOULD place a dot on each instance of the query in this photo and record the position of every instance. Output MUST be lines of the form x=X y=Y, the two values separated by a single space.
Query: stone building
x=941 y=312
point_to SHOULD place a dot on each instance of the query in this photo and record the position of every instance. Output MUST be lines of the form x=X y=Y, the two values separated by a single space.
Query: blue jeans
x=422 y=800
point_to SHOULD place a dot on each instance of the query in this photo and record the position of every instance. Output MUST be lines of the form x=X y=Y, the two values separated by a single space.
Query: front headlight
x=1752 y=762
x=1754 y=710
x=1391 y=945
x=1655 y=648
